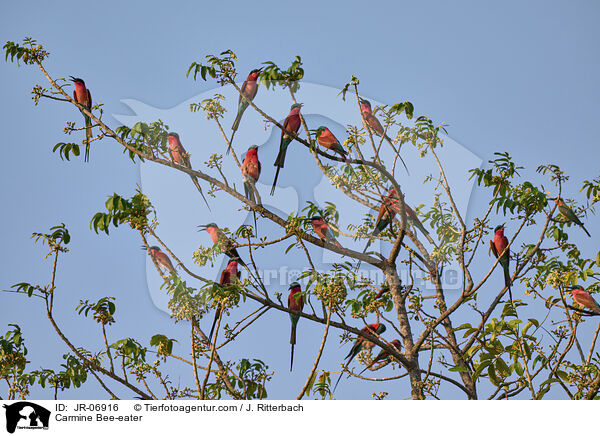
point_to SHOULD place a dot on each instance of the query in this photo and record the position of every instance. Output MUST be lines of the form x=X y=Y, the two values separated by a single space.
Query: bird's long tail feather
x=292 y=343
x=585 y=230
x=387 y=138
x=88 y=138
x=238 y=117
x=338 y=381
x=200 y=190
x=212 y=328
x=275 y=180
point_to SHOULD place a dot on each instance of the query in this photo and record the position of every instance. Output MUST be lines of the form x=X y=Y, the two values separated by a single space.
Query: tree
x=520 y=339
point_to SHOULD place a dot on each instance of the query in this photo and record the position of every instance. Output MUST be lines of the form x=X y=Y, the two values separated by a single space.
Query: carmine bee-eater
x=569 y=215
x=161 y=258
x=328 y=140
x=295 y=302
x=290 y=125
x=583 y=298
x=383 y=355
x=248 y=90
x=181 y=157
x=411 y=216
x=82 y=96
x=321 y=228
x=373 y=125
x=361 y=343
x=498 y=247
x=217 y=236
x=229 y=276
x=251 y=173
x=384 y=218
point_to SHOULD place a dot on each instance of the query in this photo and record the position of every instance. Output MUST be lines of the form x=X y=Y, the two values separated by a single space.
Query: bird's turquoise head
x=77 y=80
x=207 y=226
x=253 y=147
x=320 y=130
x=173 y=134
x=365 y=102
x=256 y=71
x=294 y=285
x=499 y=227
x=233 y=259
x=316 y=218
x=296 y=106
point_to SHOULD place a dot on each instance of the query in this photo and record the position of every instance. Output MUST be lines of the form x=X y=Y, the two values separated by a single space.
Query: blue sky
x=505 y=76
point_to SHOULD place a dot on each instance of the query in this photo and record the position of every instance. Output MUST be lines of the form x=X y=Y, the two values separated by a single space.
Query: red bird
x=290 y=125
x=383 y=355
x=373 y=125
x=251 y=173
x=295 y=302
x=248 y=90
x=161 y=258
x=229 y=276
x=498 y=245
x=83 y=96
x=361 y=343
x=327 y=139
x=321 y=228
x=411 y=216
x=182 y=157
x=581 y=297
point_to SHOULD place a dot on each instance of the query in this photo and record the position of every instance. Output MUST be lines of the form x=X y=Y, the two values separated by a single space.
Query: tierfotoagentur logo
x=27 y=416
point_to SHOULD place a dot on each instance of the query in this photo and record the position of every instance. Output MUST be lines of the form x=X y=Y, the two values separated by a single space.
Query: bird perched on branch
x=181 y=157
x=327 y=139
x=373 y=125
x=218 y=237
x=499 y=246
x=290 y=126
x=251 y=173
x=321 y=228
x=568 y=214
x=295 y=302
x=83 y=96
x=383 y=355
x=583 y=298
x=361 y=343
x=161 y=258
x=248 y=90
x=229 y=276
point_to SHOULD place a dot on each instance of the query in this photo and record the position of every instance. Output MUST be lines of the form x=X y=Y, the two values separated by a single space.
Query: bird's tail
x=200 y=190
x=387 y=138
x=420 y=226
x=242 y=107
x=212 y=328
x=275 y=179
x=88 y=138
x=338 y=381
x=585 y=230
x=292 y=341
x=366 y=367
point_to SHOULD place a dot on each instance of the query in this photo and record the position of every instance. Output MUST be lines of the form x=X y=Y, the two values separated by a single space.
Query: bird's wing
x=224 y=276
x=493 y=248
x=89 y=97
x=75 y=96
x=243 y=89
